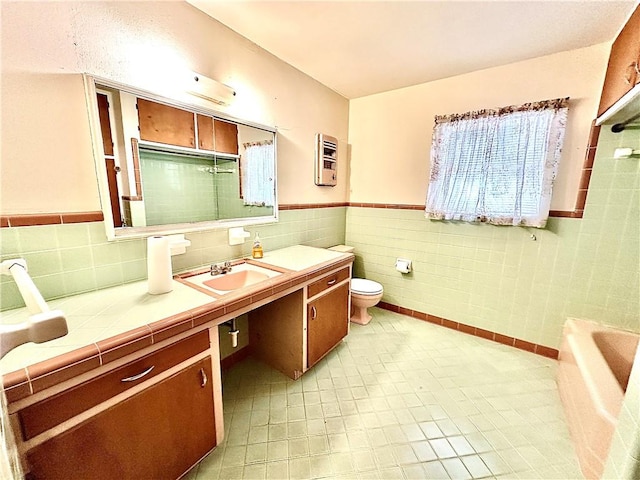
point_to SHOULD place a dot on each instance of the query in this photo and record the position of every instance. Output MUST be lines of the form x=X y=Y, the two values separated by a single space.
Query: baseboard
x=478 y=332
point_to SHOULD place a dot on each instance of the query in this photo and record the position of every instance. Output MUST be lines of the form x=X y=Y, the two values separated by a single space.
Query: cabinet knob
x=314 y=313
x=203 y=378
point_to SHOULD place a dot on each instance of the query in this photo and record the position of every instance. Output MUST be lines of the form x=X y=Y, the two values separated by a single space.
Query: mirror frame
x=113 y=233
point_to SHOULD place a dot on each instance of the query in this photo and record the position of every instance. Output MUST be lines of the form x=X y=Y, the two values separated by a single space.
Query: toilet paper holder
x=403 y=265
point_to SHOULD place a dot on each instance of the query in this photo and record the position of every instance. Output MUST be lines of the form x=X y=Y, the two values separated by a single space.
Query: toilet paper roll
x=159 y=265
x=403 y=266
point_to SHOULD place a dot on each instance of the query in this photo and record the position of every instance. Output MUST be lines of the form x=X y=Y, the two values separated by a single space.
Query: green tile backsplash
x=501 y=278
x=68 y=259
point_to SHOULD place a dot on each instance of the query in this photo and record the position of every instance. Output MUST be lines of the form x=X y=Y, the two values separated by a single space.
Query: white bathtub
x=594 y=366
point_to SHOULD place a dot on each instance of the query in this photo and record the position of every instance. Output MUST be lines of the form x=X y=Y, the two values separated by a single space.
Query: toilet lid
x=362 y=286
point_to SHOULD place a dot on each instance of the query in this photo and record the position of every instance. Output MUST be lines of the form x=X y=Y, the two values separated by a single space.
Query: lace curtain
x=258 y=174
x=496 y=166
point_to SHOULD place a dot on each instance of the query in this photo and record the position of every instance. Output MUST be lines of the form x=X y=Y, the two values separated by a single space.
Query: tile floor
x=398 y=398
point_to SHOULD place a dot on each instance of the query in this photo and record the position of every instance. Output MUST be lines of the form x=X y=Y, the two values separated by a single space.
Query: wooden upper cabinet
x=205 y=132
x=174 y=126
x=217 y=135
x=226 y=137
x=623 y=70
x=165 y=124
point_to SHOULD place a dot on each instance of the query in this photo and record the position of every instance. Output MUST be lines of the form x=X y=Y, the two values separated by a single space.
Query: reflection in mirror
x=177 y=167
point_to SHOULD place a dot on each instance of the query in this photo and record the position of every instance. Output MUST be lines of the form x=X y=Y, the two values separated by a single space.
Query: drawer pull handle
x=331 y=282
x=203 y=378
x=138 y=376
x=314 y=313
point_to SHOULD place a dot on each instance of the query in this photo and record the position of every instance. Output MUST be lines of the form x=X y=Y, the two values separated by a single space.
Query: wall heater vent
x=326 y=160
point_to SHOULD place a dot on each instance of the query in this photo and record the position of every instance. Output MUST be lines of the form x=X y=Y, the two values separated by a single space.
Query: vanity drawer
x=54 y=410
x=327 y=282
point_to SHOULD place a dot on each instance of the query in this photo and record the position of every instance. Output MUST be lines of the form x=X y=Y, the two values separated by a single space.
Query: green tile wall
x=177 y=188
x=68 y=259
x=180 y=189
x=500 y=278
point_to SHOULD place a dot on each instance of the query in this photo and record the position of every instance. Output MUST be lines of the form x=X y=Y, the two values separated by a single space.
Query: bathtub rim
x=606 y=392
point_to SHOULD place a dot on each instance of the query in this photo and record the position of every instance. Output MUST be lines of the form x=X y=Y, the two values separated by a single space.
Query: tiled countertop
x=96 y=316
x=107 y=324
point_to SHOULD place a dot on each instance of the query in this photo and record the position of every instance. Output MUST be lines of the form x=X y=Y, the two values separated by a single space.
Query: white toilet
x=364 y=293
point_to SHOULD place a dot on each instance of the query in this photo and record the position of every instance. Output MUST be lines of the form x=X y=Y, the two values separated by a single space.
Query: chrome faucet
x=222 y=268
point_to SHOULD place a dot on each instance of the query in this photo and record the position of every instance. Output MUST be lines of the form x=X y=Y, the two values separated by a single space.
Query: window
x=496 y=166
x=258 y=174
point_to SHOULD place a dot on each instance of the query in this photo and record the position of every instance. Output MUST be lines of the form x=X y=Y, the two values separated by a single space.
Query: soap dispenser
x=257 y=251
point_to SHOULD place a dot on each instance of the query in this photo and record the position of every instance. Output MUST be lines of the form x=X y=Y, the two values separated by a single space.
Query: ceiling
x=367 y=47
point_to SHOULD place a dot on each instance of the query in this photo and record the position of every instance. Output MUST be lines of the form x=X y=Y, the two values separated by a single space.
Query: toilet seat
x=361 y=286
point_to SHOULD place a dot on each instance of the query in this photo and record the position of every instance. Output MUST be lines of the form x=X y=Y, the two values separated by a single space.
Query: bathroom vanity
x=147 y=400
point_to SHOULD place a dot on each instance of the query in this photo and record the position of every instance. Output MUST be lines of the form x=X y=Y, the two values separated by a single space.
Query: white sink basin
x=240 y=276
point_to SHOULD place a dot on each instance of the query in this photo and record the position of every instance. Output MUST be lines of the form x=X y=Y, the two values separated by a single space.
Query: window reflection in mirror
x=175 y=167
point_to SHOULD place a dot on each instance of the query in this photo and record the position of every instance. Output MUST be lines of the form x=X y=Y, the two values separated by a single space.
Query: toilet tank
x=342 y=248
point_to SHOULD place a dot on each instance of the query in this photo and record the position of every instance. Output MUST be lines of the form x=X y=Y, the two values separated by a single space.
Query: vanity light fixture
x=209 y=89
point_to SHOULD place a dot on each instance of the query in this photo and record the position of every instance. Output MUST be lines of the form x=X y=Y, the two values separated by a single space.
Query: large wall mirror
x=165 y=166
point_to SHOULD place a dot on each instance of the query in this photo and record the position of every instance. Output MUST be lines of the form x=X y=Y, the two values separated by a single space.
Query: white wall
x=390 y=133
x=47 y=164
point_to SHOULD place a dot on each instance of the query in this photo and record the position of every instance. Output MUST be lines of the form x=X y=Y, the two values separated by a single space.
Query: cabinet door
x=164 y=124
x=327 y=322
x=205 y=132
x=623 y=67
x=226 y=137
x=105 y=124
x=110 y=163
x=159 y=433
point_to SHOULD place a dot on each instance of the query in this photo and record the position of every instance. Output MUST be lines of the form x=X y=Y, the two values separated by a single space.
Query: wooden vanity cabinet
x=53 y=410
x=158 y=432
x=292 y=333
x=276 y=334
x=623 y=70
x=327 y=322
